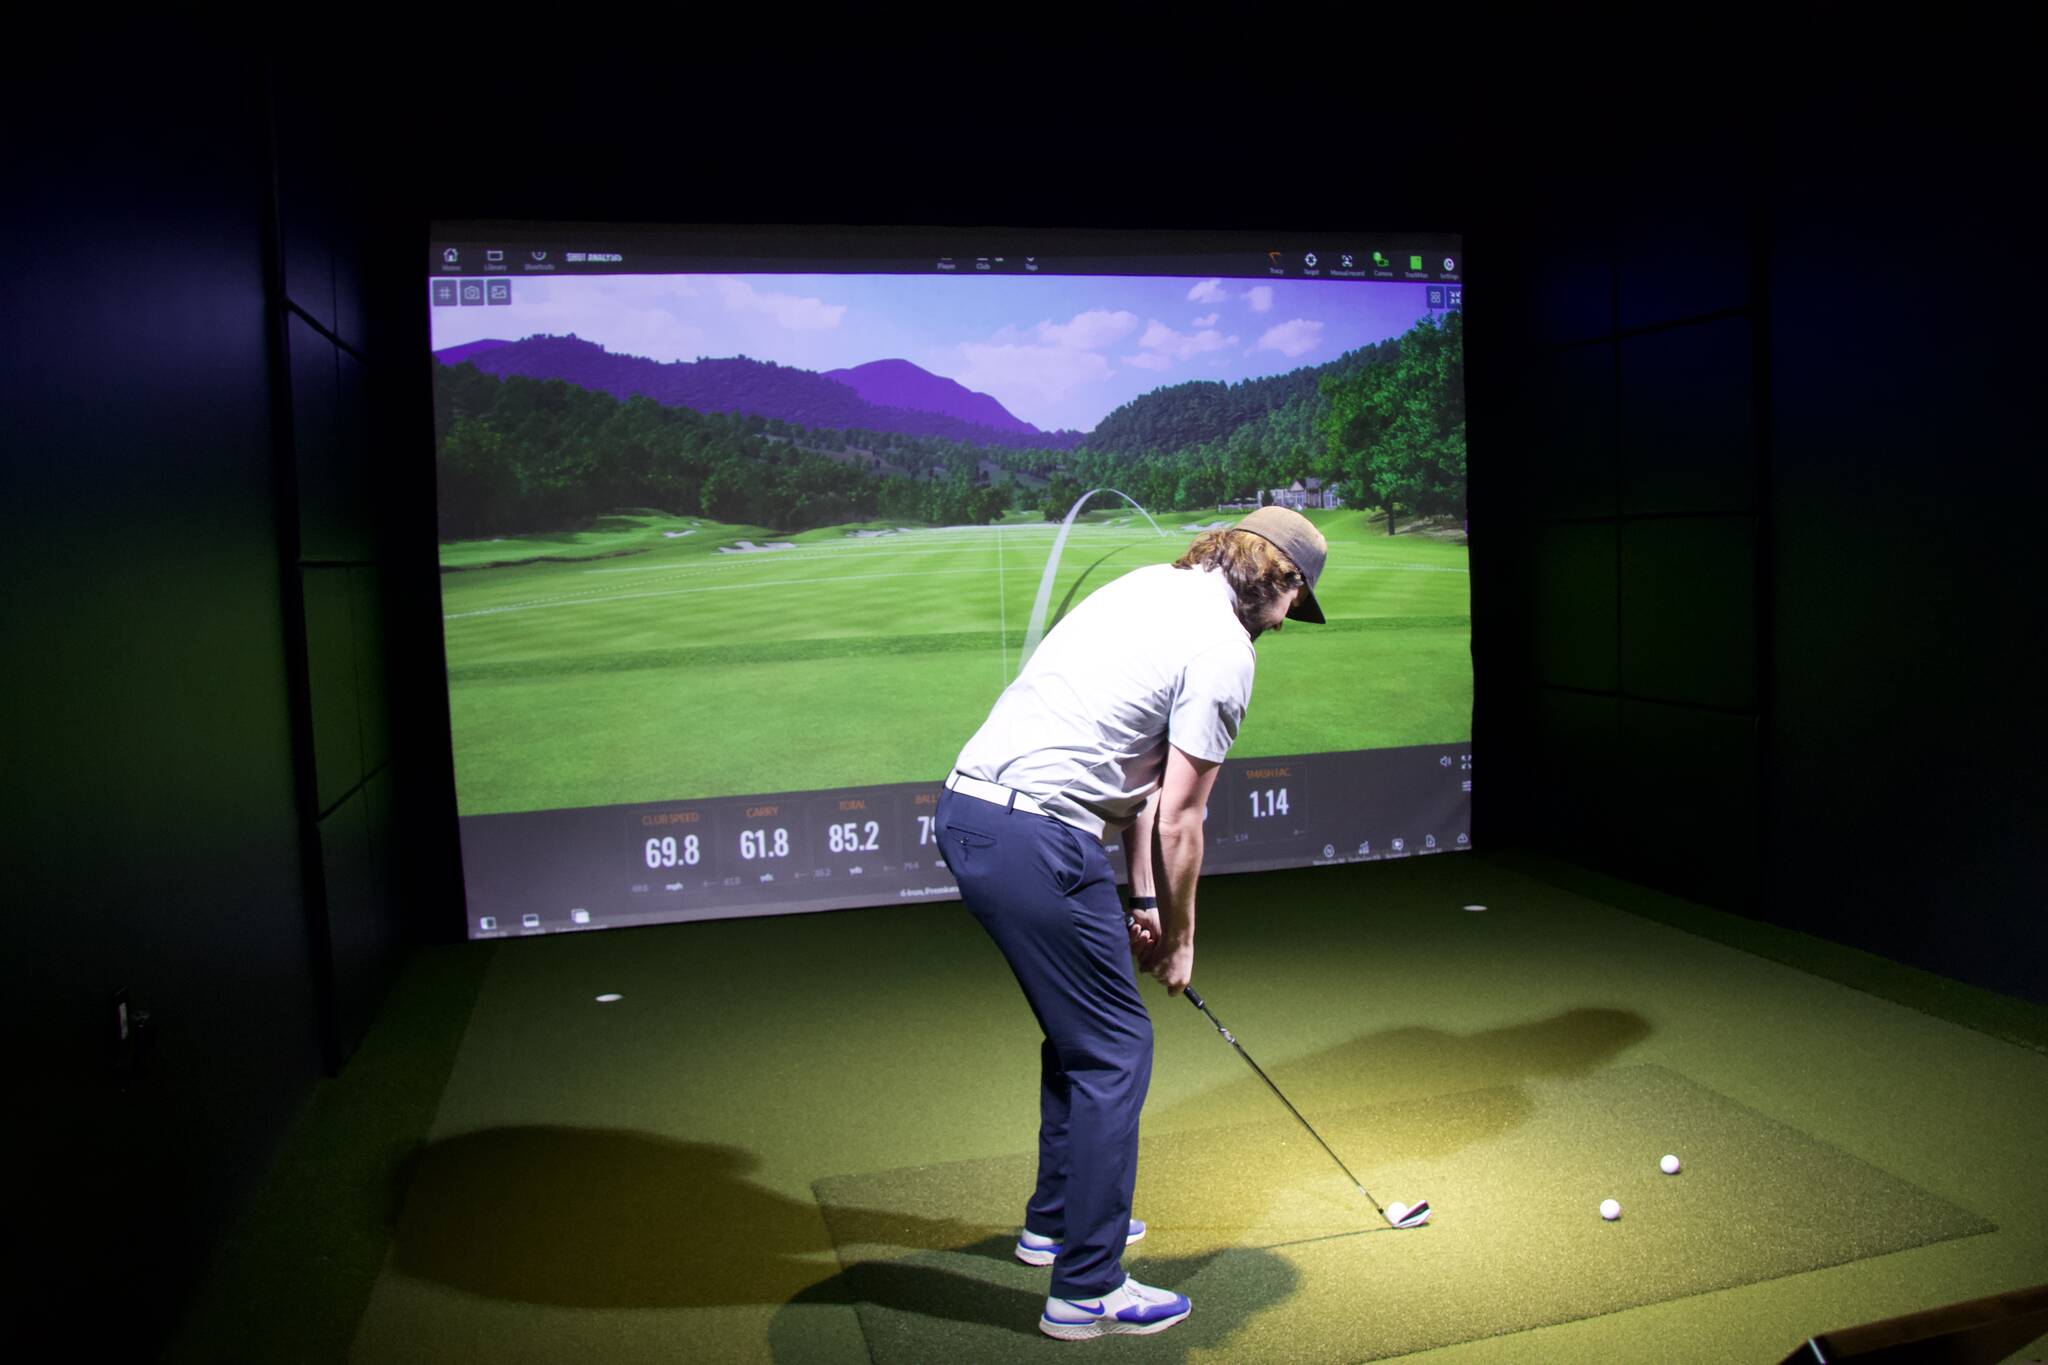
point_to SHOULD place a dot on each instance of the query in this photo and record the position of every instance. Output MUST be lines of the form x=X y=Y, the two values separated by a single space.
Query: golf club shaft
x=1228 y=1037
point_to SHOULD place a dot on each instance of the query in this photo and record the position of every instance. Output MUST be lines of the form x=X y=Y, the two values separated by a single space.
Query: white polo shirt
x=1156 y=657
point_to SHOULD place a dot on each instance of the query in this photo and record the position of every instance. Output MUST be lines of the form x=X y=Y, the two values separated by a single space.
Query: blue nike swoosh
x=1094 y=1308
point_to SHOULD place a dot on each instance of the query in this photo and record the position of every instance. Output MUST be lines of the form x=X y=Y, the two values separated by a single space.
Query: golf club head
x=1412 y=1217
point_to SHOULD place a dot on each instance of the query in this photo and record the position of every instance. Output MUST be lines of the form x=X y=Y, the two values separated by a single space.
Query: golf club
x=1408 y=1218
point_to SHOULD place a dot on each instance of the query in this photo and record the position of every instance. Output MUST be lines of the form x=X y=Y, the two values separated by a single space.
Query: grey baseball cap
x=1295 y=536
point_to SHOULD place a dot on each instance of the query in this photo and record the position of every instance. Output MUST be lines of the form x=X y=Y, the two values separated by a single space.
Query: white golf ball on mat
x=1397 y=1211
x=1610 y=1210
x=1669 y=1165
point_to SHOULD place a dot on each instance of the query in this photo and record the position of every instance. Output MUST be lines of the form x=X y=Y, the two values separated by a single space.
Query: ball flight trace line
x=1410 y=1217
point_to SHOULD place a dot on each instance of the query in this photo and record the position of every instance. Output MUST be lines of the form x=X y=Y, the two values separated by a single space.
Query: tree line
x=518 y=455
x=1387 y=422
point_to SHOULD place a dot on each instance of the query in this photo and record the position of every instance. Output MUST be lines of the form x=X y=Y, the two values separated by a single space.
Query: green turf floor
x=1514 y=1175
x=667 y=1177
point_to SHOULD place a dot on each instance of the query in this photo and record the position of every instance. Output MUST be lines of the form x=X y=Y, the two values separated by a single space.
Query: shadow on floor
x=1383 y=1069
x=606 y=1218
x=609 y=1218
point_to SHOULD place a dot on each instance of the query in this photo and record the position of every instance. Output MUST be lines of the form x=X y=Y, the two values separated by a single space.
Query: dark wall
x=1753 y=579
x=201 y=814
x=1622 y=515
x=1906 y=790
x=343 y=499
x=152 y=761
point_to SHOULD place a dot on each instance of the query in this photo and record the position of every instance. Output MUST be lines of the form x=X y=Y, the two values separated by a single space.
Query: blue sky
x=1056 y=350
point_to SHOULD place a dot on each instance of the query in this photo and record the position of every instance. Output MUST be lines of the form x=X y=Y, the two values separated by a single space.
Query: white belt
x=992 y=792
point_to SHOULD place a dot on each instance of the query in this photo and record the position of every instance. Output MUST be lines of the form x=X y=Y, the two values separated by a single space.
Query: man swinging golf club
x=1117 y=723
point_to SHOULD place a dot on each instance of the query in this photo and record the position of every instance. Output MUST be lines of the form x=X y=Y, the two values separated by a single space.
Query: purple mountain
x=455 y=355
x=901 y=398
x=900 y=384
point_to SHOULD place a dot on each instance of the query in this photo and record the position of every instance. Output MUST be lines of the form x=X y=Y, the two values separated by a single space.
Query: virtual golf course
x=655 y=657
x=710 y=535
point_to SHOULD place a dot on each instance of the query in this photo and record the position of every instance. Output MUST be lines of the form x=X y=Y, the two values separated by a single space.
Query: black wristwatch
x=1144 y=902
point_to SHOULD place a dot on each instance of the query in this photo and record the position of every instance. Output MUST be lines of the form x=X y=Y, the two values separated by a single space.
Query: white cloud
x=1149 y=360
x=1260 y=296
x=1292 y=338
x=1090 y=331
x=1163 y=340
x=1032 y=368
x=1209 y=321
x=1208 y=291
x=1022 y=377
x=786 y=310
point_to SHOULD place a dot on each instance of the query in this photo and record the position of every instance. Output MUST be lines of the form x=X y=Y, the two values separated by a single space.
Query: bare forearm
x=1180 y=858
x=1138 y=847
x=1183 y=799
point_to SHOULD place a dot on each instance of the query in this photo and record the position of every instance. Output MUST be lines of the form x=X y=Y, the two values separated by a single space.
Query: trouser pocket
x=962 y=846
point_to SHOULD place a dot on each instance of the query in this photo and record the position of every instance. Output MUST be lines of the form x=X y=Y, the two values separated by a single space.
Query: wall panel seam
x=292 y=306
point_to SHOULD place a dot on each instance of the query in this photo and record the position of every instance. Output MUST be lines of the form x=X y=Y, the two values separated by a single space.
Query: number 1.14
x=1270 y=802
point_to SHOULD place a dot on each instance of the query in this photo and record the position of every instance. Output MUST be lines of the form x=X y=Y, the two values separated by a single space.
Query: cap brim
x=1306 y=608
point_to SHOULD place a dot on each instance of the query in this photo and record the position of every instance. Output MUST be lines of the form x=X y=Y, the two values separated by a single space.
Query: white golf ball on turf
x=1610 y=1210
x=1397 y=1211
x=1669 y=1165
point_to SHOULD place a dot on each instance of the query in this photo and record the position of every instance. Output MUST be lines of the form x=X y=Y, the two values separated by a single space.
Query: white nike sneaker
x=1132 y=1309
x=1035 y=1250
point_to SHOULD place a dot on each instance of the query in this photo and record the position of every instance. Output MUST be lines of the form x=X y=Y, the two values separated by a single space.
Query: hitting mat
x=1284 y=1260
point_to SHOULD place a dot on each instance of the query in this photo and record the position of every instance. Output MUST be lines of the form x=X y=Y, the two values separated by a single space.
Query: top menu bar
x=1435 y=258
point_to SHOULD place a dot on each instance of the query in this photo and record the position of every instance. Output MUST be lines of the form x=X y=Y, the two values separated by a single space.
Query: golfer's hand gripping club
x=1169 y=961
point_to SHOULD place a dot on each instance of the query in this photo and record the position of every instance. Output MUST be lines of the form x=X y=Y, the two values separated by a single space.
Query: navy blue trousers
x=1046 y=894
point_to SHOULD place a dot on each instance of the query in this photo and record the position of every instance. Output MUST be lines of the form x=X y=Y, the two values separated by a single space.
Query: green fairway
x=649 y=658
x=1271 y=1244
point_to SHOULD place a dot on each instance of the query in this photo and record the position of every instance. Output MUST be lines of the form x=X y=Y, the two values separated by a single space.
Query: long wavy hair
x=1254 y=567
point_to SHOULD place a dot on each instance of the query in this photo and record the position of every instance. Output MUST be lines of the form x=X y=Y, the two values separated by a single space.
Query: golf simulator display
x=742 y=532
x=1398 y=1215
